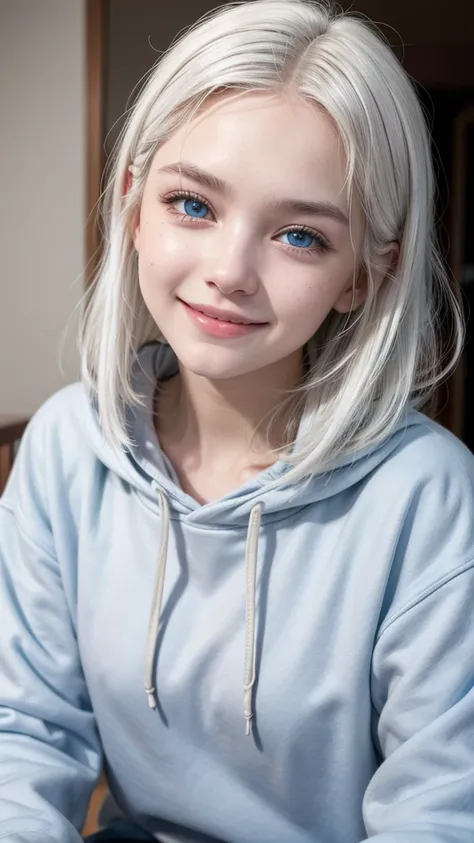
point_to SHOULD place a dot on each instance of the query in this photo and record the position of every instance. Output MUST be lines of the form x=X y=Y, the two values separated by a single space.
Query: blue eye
x=195 y=208
x=300 y=238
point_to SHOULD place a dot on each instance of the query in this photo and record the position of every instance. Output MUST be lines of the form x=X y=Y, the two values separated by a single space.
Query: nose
x=232 y=262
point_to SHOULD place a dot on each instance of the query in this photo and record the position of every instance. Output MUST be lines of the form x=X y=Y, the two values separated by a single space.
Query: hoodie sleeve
x=50 y=756
x=423 y=694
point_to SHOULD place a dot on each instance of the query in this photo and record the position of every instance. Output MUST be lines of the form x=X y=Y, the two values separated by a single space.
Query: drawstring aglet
x=248 y=712
x=151 y=694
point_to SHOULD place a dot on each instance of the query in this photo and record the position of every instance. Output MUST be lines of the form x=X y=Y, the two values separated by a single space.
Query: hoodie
x=290 y=665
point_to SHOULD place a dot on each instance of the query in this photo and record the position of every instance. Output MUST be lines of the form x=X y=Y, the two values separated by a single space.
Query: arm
x=423 y=696
x=50 y=755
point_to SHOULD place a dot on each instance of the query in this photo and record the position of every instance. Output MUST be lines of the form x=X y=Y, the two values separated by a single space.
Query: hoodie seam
x=42 y=829
x=265 y=520
x=423 y=595
x=27 y=535
x=28 y=832
x=215 y=525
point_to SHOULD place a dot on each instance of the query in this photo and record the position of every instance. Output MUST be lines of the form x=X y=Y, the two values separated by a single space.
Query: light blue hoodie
x=362 y=709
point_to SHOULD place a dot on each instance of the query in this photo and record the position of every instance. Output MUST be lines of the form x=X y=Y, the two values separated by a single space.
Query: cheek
x=157 y=241
x=161 y=258
x=303 y=306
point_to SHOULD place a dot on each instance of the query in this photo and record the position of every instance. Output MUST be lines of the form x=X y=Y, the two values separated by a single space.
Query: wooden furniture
x=98 y=797
x=11 y=431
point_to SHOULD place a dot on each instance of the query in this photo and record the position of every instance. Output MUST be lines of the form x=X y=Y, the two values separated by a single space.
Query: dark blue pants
x=124 y=831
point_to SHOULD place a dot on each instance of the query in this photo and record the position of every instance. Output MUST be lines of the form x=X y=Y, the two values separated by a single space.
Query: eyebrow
x=299 y=206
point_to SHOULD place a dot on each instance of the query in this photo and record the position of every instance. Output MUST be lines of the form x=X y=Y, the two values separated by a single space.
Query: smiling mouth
x=220 y=323
x=221 y=315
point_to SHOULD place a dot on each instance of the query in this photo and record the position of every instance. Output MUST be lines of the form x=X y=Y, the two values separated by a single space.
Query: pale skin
x=239 y=252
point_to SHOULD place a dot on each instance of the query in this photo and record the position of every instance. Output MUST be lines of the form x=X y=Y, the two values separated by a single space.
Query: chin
x=214 y=362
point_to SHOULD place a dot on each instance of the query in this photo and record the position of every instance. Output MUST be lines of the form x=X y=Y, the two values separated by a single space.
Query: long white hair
x=362 y=369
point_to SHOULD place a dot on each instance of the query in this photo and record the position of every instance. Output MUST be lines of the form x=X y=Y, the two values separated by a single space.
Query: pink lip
x=218 y=326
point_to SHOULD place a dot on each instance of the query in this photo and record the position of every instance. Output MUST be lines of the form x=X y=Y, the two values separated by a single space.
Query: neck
x=216 y=420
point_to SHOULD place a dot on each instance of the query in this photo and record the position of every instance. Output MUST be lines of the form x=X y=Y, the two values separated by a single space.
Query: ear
x=354 y=295
x=127 y=181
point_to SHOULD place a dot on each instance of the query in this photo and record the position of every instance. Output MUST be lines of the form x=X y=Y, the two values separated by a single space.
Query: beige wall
x=42 y=195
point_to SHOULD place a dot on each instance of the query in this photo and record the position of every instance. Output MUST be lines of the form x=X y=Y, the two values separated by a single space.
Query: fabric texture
x=291 y=665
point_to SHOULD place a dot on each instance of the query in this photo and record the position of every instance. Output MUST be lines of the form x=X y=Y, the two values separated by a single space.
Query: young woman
x=237 y=562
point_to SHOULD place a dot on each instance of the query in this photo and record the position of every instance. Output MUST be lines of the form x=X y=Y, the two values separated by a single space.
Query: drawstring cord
x=157 y=598
x=251 y=557
x=251 y=554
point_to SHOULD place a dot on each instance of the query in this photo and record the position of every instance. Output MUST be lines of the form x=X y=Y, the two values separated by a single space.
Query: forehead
x=261 y=133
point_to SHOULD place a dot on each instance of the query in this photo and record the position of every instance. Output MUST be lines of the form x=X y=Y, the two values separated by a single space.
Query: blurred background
x=68 y=68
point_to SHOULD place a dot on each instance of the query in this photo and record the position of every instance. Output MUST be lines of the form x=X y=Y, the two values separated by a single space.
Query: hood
x=143 y=466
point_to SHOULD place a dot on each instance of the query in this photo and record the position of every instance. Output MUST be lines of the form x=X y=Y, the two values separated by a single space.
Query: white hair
x=362 y=369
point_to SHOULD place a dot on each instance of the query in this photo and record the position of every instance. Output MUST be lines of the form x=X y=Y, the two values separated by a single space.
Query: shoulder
x=59 y=423
x=53 y=445
x=423 y=496
x=427 y=456
x=45 y=485
x=68 y=402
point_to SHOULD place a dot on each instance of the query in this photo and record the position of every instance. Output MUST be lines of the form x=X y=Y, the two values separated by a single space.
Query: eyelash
x=321 y=247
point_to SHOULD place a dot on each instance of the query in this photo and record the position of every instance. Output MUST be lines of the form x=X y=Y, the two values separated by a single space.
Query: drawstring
x=250 y=579
x=157 y=598
x=251 y=556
